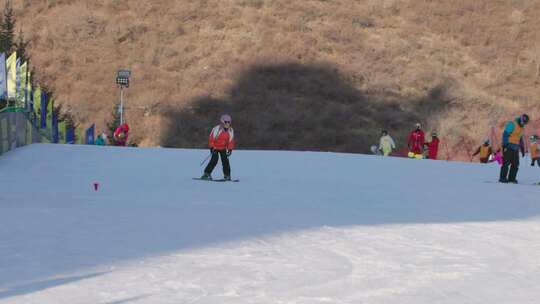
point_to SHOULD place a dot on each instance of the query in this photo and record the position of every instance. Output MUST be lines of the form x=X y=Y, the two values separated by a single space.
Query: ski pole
x=205 y=159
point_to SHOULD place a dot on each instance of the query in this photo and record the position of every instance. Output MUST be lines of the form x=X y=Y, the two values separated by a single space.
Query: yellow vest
x=516 y=134
x=484 y=151
x=534 y=150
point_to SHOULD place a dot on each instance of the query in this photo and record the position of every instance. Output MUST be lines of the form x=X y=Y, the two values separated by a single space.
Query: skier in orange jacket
x=221 y=143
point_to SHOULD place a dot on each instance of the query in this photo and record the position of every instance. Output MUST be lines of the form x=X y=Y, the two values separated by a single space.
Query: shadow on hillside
x=301 y=107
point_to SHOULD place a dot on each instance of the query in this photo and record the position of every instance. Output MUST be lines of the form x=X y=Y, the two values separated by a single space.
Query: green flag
x=62 y=132
x=37 y=102
x=78 y=134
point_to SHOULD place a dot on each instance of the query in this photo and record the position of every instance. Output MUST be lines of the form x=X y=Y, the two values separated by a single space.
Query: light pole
x=122 y=80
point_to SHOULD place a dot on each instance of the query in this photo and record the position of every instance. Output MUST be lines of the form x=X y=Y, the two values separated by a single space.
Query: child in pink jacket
x=498 y=157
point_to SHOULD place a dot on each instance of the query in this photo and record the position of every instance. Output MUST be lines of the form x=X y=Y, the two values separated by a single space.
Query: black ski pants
x=510 y=161
x=214 y=160
x=537 y=160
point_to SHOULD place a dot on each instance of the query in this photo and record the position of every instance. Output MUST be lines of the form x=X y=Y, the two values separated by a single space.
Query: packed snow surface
x=299 y=227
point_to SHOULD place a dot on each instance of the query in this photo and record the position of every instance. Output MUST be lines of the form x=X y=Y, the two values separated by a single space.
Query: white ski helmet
x=225 y=118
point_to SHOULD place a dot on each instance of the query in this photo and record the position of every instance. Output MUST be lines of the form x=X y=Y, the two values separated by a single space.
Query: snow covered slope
x=299 y=228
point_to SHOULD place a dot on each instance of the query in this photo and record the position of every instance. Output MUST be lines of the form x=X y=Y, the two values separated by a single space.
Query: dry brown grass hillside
x=305 y=74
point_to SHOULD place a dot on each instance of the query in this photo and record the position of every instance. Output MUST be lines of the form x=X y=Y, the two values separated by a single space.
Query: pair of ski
x=497 y=182
x=217 y=180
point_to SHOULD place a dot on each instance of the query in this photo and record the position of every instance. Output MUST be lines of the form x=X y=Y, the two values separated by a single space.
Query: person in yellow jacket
x=386 y=143
x=484 y=152
x=534 y=149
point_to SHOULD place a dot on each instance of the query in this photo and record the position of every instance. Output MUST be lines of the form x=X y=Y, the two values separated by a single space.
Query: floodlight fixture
x=122 y=78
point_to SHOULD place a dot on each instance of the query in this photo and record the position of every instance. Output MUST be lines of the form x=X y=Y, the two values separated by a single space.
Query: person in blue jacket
x=512 y=143
x=101 y=140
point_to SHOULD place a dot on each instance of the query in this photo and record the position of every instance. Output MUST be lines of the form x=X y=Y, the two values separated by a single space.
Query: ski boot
x=206 y=176
x=227 y=178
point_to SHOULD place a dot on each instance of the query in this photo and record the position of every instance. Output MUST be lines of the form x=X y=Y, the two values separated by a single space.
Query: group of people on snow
x=221 y=143
x=120 y=137
x=507 y=156
x=418 y=147
x=512 y=144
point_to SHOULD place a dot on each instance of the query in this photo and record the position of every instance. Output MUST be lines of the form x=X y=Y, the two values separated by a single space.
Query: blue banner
x=70 y=135
x=43 y=116
x=54 y=128
x=3 y=80
x=90 y=135
x=32 y=113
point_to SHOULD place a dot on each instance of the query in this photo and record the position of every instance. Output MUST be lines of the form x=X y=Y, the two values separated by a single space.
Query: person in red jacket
x=433 y=146
x=221 y=143
x=416 y=142
x=121 y=135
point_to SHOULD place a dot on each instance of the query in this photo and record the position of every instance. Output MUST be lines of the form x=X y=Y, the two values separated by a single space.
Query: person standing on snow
x=386 y=143
x=120 y=135
x=498 y=157
x=221 y=143
x=534 y=149
x=100 y=140
x=433 y=146
x=416 y=142
x=485 y=151
x=105 y=138
x=512 y=141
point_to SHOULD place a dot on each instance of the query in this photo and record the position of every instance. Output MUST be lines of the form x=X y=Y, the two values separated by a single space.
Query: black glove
x=229 y=152
x=212 y=151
